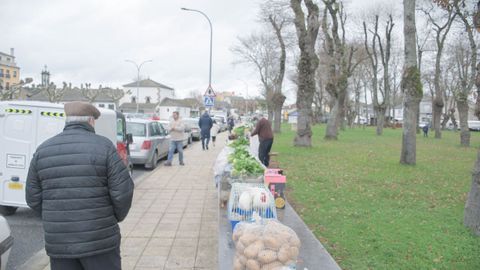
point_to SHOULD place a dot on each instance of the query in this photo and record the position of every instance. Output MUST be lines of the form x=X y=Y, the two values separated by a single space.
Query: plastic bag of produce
x=254 y=143
x=222 y=161
x=268 y=245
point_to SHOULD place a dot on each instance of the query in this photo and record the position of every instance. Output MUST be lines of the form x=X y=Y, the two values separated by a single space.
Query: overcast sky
x=89 y=40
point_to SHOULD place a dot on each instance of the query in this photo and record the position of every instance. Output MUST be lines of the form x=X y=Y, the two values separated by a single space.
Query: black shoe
x=167 y=164
x=207 y=147
x=182 y=164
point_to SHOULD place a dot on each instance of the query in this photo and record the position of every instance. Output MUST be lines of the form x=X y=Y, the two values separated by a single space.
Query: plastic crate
x=256 y=199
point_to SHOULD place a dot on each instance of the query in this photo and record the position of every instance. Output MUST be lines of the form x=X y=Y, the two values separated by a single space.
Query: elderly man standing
x=265 y=135
x=82 y=189
x=177 y=133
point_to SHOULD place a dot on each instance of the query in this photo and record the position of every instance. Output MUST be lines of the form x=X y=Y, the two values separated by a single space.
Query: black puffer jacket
x=82 y=189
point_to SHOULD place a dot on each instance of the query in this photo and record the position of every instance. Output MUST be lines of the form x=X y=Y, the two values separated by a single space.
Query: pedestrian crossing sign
x=208 y=101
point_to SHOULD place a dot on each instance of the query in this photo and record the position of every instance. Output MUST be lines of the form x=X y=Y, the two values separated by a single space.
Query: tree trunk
x=277 y=123
x=463 y=119
x=307 y=65
x=332 y=128
x=472 y=206
x=437 y=114
x=380 y=111
x=270 y=113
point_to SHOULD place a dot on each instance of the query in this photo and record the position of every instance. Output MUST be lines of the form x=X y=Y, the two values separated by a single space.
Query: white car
x=6 y=242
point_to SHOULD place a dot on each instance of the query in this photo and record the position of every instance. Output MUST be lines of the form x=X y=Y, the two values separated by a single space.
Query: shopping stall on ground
x=258 y=228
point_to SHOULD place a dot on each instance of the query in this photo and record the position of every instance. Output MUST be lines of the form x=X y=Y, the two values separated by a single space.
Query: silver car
x=193 y=125
x=150 y=142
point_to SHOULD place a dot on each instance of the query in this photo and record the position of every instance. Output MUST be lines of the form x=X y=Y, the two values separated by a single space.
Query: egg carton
x=248 y=200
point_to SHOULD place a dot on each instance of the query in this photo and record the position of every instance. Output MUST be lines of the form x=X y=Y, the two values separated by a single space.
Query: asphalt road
x=27 y=231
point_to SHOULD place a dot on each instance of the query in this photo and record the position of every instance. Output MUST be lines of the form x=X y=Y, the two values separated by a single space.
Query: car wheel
x=8 y=210
x=154 y=161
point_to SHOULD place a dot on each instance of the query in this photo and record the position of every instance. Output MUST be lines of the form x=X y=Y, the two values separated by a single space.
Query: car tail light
x=122 y=151
x=146 y=144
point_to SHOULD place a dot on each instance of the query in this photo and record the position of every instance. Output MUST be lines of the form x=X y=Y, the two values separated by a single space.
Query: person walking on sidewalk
x=231 y=124
x=82 y=189
x=205 y=123
x=177 y=133
x=263 y=129
x=214 y=131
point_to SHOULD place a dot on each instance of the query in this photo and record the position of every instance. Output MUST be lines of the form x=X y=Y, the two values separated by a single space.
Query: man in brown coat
x=265 y=135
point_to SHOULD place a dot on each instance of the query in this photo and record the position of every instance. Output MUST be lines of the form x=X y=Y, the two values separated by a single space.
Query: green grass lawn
x=370 y=212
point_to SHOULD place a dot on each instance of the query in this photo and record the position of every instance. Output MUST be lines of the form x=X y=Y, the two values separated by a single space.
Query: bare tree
x=115 y=94
x=259 y=50
x=13 y=91
x=339 y=57
x=384 y=50
x=411 y=86
x=307 y=31
x=441 y=20
x=89 y=93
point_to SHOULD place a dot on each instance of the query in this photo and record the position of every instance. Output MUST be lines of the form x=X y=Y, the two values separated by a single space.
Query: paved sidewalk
x=173 y=222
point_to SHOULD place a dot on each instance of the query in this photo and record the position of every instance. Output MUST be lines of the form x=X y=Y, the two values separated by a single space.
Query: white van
x=24 y=125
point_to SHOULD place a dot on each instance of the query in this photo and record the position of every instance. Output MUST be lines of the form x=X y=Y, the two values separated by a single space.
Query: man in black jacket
x=82 y=189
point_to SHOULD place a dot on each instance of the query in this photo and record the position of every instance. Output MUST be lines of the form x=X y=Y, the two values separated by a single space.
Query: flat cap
x=79 y=108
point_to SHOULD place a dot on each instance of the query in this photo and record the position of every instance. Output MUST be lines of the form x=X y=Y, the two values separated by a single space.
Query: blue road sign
x=208 y=101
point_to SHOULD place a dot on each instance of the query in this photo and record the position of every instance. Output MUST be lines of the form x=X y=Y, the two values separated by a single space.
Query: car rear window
x=137 y=129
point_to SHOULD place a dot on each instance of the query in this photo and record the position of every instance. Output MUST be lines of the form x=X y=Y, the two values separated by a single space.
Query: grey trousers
x=105 y=261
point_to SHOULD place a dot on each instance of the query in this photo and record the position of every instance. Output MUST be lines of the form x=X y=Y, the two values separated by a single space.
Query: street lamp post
x=138 y=76
x=211 y=38
x=246 y=95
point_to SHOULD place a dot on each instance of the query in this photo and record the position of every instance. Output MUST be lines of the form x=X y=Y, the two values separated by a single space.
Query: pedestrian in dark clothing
x=265 y=136
x=425 y=131
x=231 y=124
x=205 y=123
x=82 y=189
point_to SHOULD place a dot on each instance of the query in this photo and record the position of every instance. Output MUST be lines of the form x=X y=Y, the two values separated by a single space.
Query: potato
x=283 y=254
x=239 y=247
x=242 y=259
x=253 y=265
x=294 y=253
x=276 y=265
x=272 y=243
x=267 y=256
x=294 y=241
x=237 y=233
x=247 y=239
x=252 y=250
x=237 y=265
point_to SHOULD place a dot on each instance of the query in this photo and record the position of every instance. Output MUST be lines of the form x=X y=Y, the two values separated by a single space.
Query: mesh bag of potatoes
x=265 y=246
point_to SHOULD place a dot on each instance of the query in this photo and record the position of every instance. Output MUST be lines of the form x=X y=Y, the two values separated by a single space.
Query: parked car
x=6 y=242
x=221 y=121
x=187 y=133
x=150 y=142
x=194 y=128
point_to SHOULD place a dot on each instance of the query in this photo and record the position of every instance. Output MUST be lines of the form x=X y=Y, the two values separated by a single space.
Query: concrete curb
x=40 y=260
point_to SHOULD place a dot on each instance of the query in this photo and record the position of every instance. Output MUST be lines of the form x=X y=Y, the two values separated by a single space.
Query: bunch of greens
x=239 y=131
x=244 y=163
x=242 y=141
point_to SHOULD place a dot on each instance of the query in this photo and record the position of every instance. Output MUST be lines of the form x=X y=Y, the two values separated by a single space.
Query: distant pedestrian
x=177 y=133
x=263 y=129
x=231 y=124
x=425 y=130
x=214 y=131
x=82 y=189
x=205 y=123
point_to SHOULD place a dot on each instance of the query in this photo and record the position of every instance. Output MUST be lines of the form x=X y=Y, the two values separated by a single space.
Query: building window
x=14 y=73
x=7 y=75
x=147 y=99
x=7 y=85
x=134 y=99
x=8 y=59
x=101 y=105
x=111 y=106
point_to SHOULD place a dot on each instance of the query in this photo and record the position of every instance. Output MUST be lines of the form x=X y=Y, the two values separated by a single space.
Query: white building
x=168 y=106
x=149 y=91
